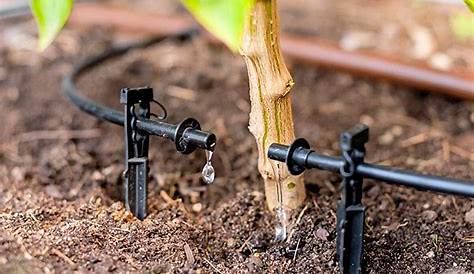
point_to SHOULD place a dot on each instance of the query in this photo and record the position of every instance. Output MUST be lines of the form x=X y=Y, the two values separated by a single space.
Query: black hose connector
x=350 y=211
x=294 y=155
x=186 y=135
x=298 y=157
x=138 y=126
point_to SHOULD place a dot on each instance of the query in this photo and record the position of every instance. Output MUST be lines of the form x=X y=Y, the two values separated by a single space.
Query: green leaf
x=463 y=25
x=470 y=4
x=223 y=18
x=50 y=15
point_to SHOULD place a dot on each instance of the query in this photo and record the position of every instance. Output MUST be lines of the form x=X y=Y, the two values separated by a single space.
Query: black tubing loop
x=193 y=136
x=98 y=110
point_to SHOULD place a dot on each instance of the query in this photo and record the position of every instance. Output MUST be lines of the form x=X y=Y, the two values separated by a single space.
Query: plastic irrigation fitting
x=138 y=126
x=186 y=135
x=298 y=157
x=351 y=167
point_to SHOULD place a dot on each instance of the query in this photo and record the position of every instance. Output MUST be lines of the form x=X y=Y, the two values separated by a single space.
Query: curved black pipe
x=194 y=137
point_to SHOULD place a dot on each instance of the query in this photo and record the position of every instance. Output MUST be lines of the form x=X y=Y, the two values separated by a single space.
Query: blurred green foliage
x=223 y=18
x=462 y=25
x=470 y=4
x=50 y=15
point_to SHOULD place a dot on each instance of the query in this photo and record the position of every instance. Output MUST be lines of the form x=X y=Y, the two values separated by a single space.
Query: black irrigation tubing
x=350 y=213
x=137 y=124
x=90 y=106
x=298 y=157
x=153 y=127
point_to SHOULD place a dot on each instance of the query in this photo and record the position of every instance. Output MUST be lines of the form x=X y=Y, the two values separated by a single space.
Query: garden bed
x=60 y=194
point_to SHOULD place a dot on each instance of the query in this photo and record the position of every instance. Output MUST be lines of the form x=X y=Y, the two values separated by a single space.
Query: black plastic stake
x=186 y=135
x=138 y=126
x=137 y=106
x=350 y=211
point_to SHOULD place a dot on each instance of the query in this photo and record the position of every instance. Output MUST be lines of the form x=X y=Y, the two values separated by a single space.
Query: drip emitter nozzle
x=350 y=212
x=186 y=135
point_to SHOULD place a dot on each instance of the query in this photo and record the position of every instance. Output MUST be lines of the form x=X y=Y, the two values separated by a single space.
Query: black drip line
x=350 y=214
x=298 y=157
x=187 y=135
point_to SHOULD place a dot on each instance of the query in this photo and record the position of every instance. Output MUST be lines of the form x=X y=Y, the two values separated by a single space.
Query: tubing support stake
x=137 y=124
x=186 y=135
x=137 y=106
x=350 y=211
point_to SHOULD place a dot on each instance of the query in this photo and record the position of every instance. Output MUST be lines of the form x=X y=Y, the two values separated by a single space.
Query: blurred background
x=437 y=31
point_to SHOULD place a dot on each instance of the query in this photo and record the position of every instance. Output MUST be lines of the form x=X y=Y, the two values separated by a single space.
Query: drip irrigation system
x=187 y=135
x=351 y=167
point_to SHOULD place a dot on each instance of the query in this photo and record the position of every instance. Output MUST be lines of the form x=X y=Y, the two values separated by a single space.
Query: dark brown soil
x=60 y=169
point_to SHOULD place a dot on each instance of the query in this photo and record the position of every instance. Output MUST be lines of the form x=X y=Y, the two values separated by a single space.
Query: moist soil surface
x=61 y=207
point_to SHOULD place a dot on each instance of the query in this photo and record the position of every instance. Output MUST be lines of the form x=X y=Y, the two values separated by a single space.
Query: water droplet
x=280 y=228
x=280 y=232
x=208 y=173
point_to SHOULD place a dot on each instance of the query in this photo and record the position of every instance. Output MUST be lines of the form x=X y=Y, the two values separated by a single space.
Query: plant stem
x=271 y=119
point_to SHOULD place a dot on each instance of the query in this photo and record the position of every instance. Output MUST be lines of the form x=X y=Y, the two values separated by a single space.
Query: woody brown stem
x=271 y=119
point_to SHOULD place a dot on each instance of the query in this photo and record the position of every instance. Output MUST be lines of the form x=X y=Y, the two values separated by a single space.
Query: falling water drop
x=280 y=228
x=208 y=173
x=280 y=212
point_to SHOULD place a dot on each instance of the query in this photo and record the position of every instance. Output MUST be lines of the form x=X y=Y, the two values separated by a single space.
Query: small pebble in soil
x=373 y=191
x=254 y=263
x=197 y=207
x=322 y=234
x=18 y=174
x=396 y=130
x=386 y=139
x=430 y=254
x=366 y=119
x=230 y=242
x=383 y=205
x=441 y=61
x=429 y=215
x=469 y=217
x=97 y=176
x=53 y=191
